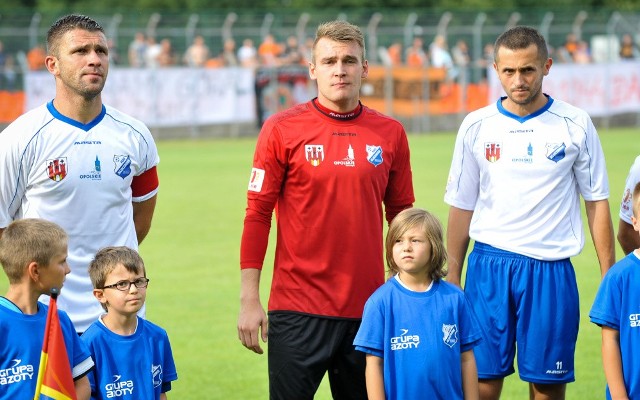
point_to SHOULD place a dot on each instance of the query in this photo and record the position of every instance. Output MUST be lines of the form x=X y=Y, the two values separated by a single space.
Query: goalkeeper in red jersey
x=332 y=169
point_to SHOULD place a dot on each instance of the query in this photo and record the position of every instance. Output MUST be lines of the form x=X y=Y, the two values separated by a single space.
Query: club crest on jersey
x=450 y=334
x=122 y=165
x=492 y=151
x=374 y=155
x=314 y=153
x=556 y=151
x=156 y=372
x=57 y=168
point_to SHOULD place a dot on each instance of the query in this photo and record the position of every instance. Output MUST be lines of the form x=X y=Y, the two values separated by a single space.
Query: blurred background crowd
x=159 y=43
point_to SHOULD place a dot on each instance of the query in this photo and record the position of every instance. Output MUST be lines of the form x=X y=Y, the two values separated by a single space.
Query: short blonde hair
x=432 y=228
x=339 y=31
x=30 y=240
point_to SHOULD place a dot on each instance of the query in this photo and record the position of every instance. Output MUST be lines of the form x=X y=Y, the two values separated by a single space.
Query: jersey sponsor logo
x=256 y=180
x=634 y=320
x=350 y=134
x=556 y=151
x=450 y=334
x=349 y=160
x=374 y=155
x=118 y=388
x=156 y=373
x=558 y=371
x=87 y=142
x=521 y=131
x=122 y=165
x=314 y=153
x=405 y=341
x=492 y=151
x=16 y=373
x=57 y=168
x=343 y=116
x=94 y=174
x=528 y=159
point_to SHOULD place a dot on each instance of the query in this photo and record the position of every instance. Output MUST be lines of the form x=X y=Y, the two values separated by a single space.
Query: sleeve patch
x=256 y=180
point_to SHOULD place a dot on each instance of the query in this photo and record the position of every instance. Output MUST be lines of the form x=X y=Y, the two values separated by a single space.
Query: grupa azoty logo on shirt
x=118 y=387
x=404 y=341
x=634 y=320
x=16 y=373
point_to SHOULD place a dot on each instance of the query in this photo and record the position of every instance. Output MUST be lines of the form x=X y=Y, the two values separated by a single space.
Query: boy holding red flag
x=33 y=255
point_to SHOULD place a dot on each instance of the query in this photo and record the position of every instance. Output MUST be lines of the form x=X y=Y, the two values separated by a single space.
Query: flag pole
x=45 y=344
x=55 y=378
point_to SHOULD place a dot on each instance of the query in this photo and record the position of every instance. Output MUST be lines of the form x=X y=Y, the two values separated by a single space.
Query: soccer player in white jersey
x=79 y=163
x=519 y=168
x=627 y=236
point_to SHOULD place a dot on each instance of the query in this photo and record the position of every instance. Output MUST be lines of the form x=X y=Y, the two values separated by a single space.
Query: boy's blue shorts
x=524 y=304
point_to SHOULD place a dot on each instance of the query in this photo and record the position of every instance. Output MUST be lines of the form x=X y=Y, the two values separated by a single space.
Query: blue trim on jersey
x=35 y=135
x=9 y=305
x=79 y=125
x=145 y=166
x=520 y=119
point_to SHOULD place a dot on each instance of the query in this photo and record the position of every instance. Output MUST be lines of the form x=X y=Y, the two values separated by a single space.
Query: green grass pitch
x=192 y=257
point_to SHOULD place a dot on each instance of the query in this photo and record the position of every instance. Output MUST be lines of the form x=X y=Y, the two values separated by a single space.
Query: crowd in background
x=147 y=51
x=458 y=61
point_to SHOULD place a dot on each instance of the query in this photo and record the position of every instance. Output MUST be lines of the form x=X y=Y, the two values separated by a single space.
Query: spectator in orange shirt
x=416 y=56
x=269 y=51
x=395 y=54
x=35 y=57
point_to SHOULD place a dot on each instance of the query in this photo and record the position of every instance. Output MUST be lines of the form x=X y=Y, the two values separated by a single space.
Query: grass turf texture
x=192 y=255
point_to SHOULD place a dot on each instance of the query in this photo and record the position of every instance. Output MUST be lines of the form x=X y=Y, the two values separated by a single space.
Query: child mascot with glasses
x=133 y=356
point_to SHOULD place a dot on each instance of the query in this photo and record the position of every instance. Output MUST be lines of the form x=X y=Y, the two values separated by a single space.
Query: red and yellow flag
x=55 y=381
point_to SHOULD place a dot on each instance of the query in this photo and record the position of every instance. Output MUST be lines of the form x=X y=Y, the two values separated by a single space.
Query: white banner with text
x=600 y=89
x=168 y=96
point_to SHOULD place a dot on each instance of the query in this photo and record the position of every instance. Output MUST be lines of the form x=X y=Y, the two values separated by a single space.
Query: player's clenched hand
x=252 y=322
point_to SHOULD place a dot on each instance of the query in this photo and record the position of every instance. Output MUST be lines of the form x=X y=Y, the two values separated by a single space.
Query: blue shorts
x=527 y=304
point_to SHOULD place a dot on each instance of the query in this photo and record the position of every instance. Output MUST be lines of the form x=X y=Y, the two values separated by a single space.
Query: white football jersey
x=78 y=176
x=626 y=205
x=523 y=177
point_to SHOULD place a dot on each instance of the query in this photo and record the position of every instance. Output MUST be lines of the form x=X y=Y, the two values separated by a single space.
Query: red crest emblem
x=57 y=168
x=314 y=153
x=492 y=151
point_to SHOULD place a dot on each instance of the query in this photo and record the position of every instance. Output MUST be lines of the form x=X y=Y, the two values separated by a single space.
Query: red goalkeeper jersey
x=327 y=178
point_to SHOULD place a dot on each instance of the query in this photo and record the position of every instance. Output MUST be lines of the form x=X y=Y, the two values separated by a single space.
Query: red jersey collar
x=336 y=115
